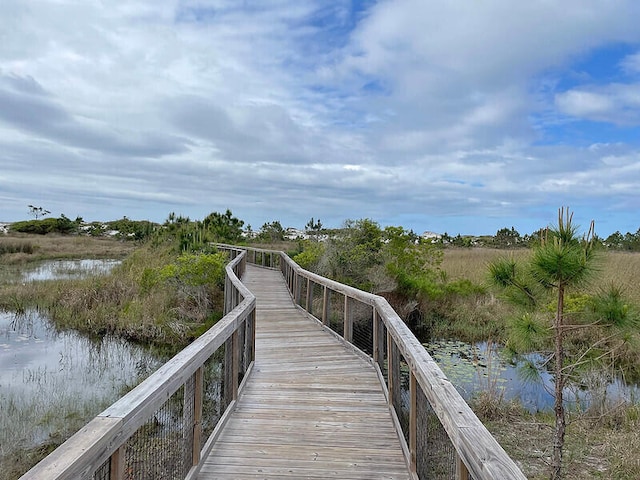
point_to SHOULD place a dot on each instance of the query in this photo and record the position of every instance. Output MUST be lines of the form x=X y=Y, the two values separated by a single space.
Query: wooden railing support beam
x=325 y=305
x=348 y=320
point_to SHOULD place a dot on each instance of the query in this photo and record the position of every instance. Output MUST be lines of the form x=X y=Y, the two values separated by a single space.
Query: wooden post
x=390 y=367
x=325 y=304
x=309 y=299
x=298 y=282
x=374 y=326
x=413 y=422
x=348 y=320
x=116 y=464
x=382 y=338
x=226 y=296
x=197 y=414
x=228 y=371
x=253 y=334
x=236 y=362
x=461 y=469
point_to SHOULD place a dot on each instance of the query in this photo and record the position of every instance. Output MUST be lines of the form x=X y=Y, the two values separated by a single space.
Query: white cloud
x=631 y=63
x=615 y=103
x=288 y=109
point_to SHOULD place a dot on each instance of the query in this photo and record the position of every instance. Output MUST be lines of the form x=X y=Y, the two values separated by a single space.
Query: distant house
x=431 y=236
x=4 y=228
x=292 y=233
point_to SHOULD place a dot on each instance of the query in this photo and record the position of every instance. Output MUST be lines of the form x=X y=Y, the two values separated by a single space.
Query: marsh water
x=65 y=269
x=484 y=366
x=51 y=379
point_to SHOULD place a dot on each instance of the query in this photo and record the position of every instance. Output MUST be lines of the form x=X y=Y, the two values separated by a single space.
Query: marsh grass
x=612 y=267
x=129 y=302
x=16 y=246
x=594 y=448
x=74 y=378
x=602 y=441
x=41 y=247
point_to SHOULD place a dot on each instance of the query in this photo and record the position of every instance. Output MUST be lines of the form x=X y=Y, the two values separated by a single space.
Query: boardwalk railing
x=441 y=435
x=164 y=426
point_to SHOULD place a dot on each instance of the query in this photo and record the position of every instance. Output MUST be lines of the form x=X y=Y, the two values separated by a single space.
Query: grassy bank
x=154 y=297
x=599 y=444
x=137 y=300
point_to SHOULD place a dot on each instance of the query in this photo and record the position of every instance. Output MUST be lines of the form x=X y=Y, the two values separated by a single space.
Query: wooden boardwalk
x=312 y=409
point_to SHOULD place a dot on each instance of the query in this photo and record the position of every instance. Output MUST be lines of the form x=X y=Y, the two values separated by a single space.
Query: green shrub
x=310 y=256
x=196 y=270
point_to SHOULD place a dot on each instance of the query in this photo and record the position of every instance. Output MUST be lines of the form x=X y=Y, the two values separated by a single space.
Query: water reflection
x=68 y=269
x=484 y=366
x=48 y=377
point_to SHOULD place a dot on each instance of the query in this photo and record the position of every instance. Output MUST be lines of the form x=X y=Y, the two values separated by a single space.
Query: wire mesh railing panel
x=383 y=359
x=362 y=315
x=301 y=296
x=435 y=454
x=247 y=350
x=157 y=448
x=213 y=398
x=104 y=471
x=336 y=313
x=241 y=332
x=307 y=302
x=317 y=301
x=402 y=398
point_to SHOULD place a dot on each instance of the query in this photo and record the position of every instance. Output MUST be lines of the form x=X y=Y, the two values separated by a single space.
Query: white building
x=431 y=236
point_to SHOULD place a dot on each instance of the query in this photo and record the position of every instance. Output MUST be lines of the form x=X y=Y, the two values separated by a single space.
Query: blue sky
x=453 y=116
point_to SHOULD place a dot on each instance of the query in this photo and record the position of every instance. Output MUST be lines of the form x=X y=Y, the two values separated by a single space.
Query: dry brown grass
x=604 y=448
x=64 y=246
x=472 y=263
x=621 y=268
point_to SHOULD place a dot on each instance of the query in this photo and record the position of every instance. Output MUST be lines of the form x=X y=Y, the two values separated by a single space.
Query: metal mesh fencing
x=213 y=398
x=104 y=471
x=242 y=337
x=400 y=390
x=383 y=357
x=336 y=313
x=301 y=294
x=247 y=349
x=362 y=315
x=161 y=448
x=317 y=300
x=435 y=454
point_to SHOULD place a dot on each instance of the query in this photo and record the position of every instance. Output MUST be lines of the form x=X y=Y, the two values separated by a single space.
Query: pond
x=50 y=378
x=68 y=269
x=52 y=382
x=485 y=366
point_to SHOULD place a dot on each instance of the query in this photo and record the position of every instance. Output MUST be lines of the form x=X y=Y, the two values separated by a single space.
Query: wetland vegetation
x=74 y=341
x=164 y=290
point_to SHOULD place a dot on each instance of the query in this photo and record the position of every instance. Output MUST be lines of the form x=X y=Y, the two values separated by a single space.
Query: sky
x=449 y=116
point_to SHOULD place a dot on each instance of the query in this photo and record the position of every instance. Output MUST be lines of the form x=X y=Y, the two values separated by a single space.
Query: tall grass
x=33 y=248
x=128 y=302
x=17 y=247
x=44 y=405
x=620 y=268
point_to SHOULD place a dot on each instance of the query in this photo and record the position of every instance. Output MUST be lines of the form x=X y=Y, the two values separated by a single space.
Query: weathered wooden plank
x=94 y=441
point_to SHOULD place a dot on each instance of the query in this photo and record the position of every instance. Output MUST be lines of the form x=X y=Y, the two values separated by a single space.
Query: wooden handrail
x=479 y=455
x=102 y=439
